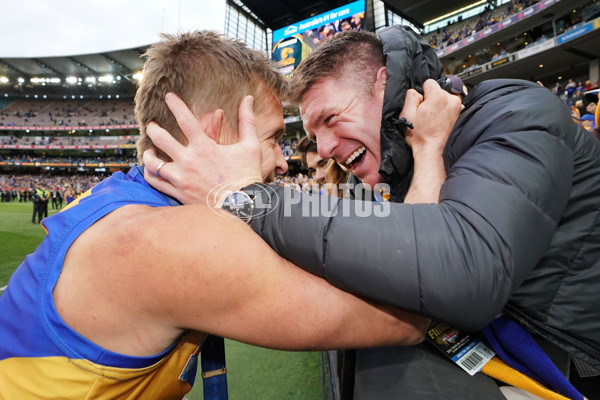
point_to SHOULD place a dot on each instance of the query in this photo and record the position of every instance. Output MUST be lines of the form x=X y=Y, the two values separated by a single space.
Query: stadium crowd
x=18 y=188
x=21 y=188
x=43 y=188
x=66 y=140
x=570 y=90
x=38 y=158
x=38 y=113
x=458 y=30
x=288 y=147
x=584 y=107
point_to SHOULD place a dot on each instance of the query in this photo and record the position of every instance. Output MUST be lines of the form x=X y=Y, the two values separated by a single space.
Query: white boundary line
x=2 y=288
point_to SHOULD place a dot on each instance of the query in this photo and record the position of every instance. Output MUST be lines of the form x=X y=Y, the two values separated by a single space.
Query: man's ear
x=381 y=79
x=382 y=75
x=214 y=123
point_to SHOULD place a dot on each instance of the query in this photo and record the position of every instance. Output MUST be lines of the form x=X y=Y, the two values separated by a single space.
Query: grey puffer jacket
x=517 y=228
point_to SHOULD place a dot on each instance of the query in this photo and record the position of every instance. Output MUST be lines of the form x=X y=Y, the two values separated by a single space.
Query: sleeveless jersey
x=42 y=357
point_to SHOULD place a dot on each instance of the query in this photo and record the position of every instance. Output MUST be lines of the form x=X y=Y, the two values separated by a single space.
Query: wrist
x=239 y=204
x=217 y=196
x=254 y=200
x=428 y=149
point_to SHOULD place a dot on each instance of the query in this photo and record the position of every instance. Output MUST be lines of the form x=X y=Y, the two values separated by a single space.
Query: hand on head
x=433 y=115
x=203 y=167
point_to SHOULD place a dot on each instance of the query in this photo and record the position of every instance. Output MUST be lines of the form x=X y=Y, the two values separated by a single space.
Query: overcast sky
x=43 y=28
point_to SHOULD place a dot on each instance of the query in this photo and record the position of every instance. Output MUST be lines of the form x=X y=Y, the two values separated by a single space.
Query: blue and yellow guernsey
x=42 y=357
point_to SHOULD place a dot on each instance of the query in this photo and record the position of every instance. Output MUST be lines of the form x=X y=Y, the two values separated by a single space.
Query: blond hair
x=208 y=72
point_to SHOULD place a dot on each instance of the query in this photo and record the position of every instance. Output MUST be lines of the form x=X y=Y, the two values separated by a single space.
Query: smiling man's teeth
x=354 y=155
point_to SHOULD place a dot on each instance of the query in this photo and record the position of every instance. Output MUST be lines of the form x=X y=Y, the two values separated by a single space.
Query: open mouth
x=355 y=158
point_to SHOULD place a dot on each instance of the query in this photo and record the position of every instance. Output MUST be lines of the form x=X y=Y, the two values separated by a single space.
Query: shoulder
x=143 y=255
x=498 y=109
x=138 y=239
x=520 y=97
x=120 y=276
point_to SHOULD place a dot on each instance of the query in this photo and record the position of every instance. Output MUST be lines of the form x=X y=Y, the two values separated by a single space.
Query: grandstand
x=30 y=114
x=55 y=111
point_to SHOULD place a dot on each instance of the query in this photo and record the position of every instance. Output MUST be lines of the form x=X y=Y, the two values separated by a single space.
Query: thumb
x=247 y=123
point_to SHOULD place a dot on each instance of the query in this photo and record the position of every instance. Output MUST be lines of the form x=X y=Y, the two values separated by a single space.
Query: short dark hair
x=356 y=55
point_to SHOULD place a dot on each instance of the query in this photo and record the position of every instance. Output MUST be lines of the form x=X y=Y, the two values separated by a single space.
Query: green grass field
x=253 y=373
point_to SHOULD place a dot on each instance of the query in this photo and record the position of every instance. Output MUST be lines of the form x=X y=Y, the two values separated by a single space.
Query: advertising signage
x=295 y=42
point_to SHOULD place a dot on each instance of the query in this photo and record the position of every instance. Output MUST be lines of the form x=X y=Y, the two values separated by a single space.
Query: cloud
x=42 y=28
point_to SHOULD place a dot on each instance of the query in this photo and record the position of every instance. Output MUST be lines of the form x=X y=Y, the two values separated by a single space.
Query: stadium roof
x=124 y=62
x=569 y=59
x=276 y=14
x=110 y=69
x=423 y=11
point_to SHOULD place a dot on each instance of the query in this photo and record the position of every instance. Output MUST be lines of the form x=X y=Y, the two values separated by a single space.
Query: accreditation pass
x=469 y=352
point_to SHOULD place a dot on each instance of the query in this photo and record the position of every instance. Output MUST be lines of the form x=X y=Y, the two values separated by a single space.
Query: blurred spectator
x=588 y=121
x=317 y=166
x=336 y=175
x=323 y=170
x=579 y=90
x=570 y=88
x=458 y=87
x=557 y=90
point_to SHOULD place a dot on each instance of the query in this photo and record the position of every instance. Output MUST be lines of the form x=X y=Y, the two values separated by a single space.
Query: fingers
x=151 y=161
x=163 y=140
x=247 y=123
x=430 y=86
x=411 y=103
x=438 y=97
x=152 y=165
x=433 y=91
x=159 y=184
x=185 y=119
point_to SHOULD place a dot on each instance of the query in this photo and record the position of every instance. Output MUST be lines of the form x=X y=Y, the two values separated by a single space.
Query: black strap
x=347 y=371
x=214 y=371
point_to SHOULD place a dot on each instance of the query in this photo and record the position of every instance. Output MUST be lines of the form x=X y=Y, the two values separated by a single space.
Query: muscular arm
x=151 y=279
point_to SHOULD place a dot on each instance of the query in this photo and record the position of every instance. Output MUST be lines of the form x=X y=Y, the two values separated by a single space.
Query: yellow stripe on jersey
x=71 y=204
x=74 y=202
x=61 y=377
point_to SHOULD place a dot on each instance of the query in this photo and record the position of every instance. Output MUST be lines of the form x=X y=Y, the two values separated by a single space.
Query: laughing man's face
x=346 y=125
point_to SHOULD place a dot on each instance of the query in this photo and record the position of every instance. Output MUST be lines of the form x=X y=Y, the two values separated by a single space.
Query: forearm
x=253 y=295
x=429 y=175
x=328 y=318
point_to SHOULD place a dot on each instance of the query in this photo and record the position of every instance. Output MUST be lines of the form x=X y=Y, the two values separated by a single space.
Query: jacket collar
x=410 y=61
